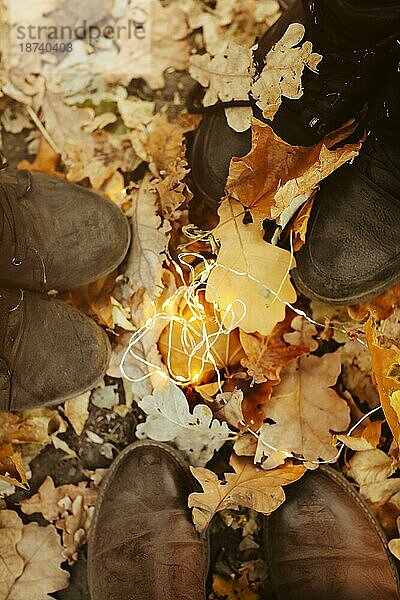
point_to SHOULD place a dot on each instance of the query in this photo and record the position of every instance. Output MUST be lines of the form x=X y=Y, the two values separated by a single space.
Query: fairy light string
x=195 y=339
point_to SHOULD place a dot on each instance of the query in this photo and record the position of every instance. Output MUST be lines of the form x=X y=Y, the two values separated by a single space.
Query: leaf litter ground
x=240 y=418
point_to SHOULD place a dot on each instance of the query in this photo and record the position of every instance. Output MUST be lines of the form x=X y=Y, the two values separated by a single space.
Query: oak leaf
x=46 y=160
x=266 y=355
x=227 y=76
x=41 y=552
x=284 y=66
x=386 y=371
x=250 y=271
x=11 y=564
x=303 y=410
x=229 y=408
x=255 y=398
x=169 y=419
x=367 y=439
x=381 y=306
x=249 y=486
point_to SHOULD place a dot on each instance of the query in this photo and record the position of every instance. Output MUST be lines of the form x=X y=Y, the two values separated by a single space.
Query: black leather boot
x=352 y=249
x=348 y=75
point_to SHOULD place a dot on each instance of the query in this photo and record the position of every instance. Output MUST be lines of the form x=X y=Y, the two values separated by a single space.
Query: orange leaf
x=386 y=370
x=46 y=160
x=11 y=468
x=381 y=306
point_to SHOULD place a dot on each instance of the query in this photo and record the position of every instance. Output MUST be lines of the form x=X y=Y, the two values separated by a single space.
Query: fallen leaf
x=367 y=439
x=300 y=224
x=47 y=500
x=356 y=372
x=255 y=399
x=198 y=435
x=77 y=411
x=249 y=272
x=75 y=526
x=266 y=355
x=274 y=173
x=248 y=486
x=41 y=552
x=11 y=564
x=371 y=466
x=30 y=427
x=303 y=335
x=284 y=66
x=11 y=467
x=386 y=371
x=46 y=160
x=149 y=241
x=303 y=410
x=230 y=408
x=381 y=306
x=194 y=348
x=233 y=589
x=227 y=76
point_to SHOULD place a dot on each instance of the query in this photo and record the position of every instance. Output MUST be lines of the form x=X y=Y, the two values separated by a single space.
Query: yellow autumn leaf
x=11 y=467
x=248 y=486
x=250 y=275
x=386 y=370
x=368 y=439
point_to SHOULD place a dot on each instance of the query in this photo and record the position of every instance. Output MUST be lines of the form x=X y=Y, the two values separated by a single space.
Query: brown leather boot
x=55 y=234
x=142 y=543
x=324 y=544
x=49 y=351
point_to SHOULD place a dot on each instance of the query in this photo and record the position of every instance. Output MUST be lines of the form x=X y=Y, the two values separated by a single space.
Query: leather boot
x=55 y=234
x=142 y=544
x=49 y=351
x=353 y=237
x=323 y=543
x=347 y=77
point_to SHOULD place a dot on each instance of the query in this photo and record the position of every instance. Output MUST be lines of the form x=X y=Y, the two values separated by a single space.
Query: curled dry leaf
x=284 y=66
x=303 y=410
x=370 y=467
x=250 y=275
x=381 y=306
x=169 y=419
x=249 y=486
x=386 y=371
x=367 y=439
x=274 y=173
x=266 y=355
x=300 y=224
x=230 y=408
x=46 y=160
x=149 y=241
x=11 y=467
x=255 y=399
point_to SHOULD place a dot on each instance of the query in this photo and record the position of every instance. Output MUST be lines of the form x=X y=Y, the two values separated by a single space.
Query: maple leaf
x=228 y=75
x=149 y=241
x=284 y=66
x=190 y=351
x=248 y=486
x=250 y=270
x=266 y=355
x=169 y=420
x=304 y=409
x=386 y=372
x=274 y=173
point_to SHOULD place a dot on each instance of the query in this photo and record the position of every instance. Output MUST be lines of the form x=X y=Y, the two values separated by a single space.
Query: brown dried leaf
x=266 y=355
x=230 y=408
x=300 y=224
x=304 y=409
x=11 y=564
x=234 y=589
x=386 y=370
x=250 y=270
x=273 y=173
x=381 y=306
x=249 y=486
x=46 y=160
x=48 y=499
x=77 y=411
x=367 y=439
x=11 y=467
x=303 y=335
x=41 y=551
x=94 y=299
x=29 y=427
